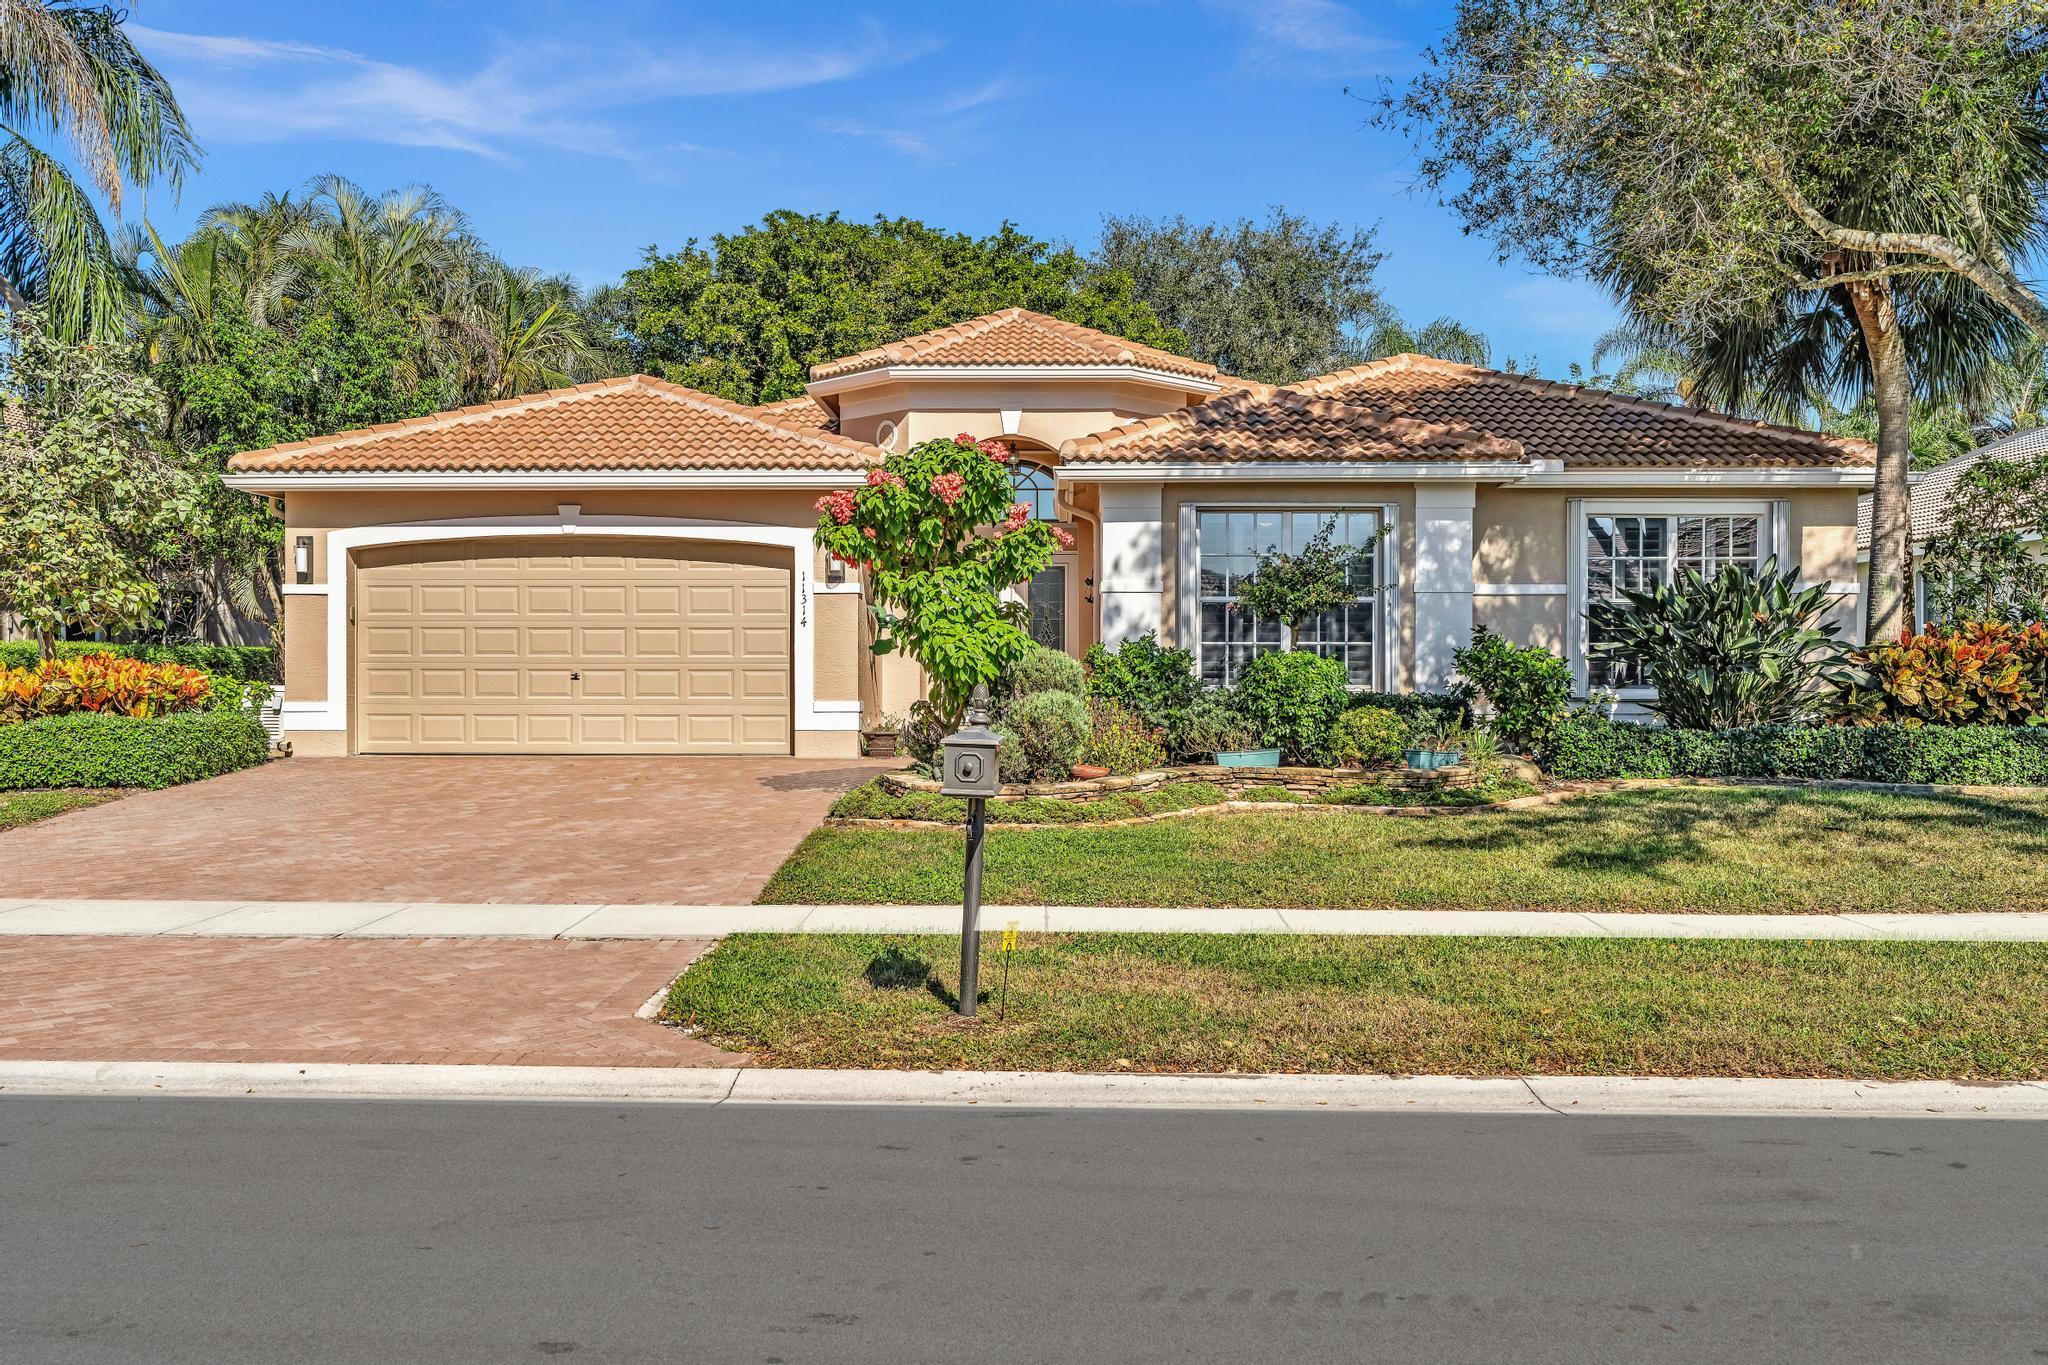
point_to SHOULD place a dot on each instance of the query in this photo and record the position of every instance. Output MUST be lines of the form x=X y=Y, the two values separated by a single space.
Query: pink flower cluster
x=879 y=477
x=1064 y=537
x=839 y=505
x=1020 y=512
x=948 y=487
x=990 y=447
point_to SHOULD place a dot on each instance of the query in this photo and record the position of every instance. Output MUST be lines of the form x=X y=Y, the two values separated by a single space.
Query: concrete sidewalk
x=712 y=1084
x=311 y=919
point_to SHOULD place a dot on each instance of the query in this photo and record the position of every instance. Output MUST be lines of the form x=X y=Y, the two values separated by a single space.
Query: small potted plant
x=1435 y=744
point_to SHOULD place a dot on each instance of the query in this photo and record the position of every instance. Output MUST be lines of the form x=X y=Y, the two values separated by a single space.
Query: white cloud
x=263 y=90
x=1305 y=36
x=895 y=139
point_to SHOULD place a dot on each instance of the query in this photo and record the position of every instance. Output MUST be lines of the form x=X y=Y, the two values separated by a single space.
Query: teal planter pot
x=1248 y=758
x=1428 y=760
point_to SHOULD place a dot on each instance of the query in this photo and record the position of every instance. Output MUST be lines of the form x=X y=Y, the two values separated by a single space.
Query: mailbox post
x=970 y=770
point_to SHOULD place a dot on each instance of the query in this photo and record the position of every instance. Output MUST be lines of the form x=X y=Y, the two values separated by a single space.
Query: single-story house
x=627 y=566
x=1930 y=492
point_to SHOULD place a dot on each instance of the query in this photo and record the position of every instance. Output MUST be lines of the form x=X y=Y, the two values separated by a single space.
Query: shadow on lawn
x=1646 y=833
x=892 y=969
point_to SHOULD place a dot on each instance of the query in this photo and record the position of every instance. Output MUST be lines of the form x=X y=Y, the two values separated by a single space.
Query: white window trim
x=1386 y=626
x=1773 y=531
x=333 y=712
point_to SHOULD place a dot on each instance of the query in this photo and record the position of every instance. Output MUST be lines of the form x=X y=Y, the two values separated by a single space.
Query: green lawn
x=1490 y=1006
x=1667 y=849
x=21 y=808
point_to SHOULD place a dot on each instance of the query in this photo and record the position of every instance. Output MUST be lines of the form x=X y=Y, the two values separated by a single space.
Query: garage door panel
x=458 y=651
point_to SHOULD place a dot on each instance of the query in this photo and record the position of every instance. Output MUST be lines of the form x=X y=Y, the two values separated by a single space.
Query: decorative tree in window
x=1294 y=588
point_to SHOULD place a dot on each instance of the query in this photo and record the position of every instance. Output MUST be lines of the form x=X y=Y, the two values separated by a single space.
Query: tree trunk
x=1886 y=608
x=46 y=640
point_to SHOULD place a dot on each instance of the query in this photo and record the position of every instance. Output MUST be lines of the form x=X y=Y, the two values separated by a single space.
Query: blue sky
x=576 y=134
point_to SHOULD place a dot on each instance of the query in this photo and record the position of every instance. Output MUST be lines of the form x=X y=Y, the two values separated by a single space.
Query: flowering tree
x=940 y=537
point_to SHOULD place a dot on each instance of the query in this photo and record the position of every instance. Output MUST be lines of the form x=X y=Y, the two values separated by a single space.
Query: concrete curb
x=312 y=919
x=1540 y=1096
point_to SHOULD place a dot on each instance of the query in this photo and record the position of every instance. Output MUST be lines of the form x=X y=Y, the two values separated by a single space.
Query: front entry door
x=1049 y=598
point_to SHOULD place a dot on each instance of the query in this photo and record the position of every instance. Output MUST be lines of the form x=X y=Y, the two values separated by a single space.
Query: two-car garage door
x=514 y=646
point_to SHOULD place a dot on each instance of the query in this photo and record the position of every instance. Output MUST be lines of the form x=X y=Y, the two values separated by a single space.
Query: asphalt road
x=264 y=1231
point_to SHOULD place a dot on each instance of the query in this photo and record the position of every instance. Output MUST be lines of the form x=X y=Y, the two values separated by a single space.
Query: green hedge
x=91 y=750
x=244 y=663
x=1589 y=746
x=1446 y=707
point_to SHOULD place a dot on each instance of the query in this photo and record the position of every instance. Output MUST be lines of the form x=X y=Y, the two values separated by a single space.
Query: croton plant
x=939 y=535
x=1980 y=673
x=101 y=682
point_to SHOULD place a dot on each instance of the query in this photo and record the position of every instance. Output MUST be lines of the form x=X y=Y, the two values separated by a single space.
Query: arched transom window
x=1034 y=486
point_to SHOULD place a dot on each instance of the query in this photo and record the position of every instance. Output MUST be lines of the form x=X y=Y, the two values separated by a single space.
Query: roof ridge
x=1413 y=360
x=923 y=345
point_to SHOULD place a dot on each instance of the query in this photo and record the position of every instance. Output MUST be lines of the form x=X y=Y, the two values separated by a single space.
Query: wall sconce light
x=302 y=559
x=835 y=571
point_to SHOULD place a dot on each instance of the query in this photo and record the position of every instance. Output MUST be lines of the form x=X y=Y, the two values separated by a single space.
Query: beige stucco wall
x=1542 y=620
x=835 y=667
x=1050 y=412
x=305 y=647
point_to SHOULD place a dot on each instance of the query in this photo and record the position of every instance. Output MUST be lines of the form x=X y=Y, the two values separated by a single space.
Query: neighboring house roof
x=633 y=423
x=1582 y=427
x=1934 y=489
x=1013 y=337
x=1251 y=425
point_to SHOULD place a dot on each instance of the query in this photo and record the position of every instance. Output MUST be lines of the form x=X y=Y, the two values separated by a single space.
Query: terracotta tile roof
x=1013 y=336
x=636 y=422
x=1585 y=428
x=1283 y=425
x=800 y=411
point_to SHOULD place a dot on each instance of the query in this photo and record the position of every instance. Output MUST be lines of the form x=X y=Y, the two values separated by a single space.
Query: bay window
x=1231 y=542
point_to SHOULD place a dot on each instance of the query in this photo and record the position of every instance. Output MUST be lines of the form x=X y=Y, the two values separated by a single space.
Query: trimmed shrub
x=1367 y=737
x=93 y=750
x=1212 y=727
x=1045 y=670
x=1120 y=740
x=1158 y=684
x=1043 y=735
x=1591 y=746
x=1528 y=688
x=1443 y=708
x=1294 y=698
x=244 y=663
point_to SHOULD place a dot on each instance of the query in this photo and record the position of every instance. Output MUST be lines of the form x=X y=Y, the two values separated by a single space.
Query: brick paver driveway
x=472 y=1001
x=706 y=831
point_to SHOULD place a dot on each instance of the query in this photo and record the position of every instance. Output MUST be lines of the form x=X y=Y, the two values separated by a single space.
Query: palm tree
x=531 y=331
x=1650 y=361
x=254 y=237
x=395 y=251
x=1446 y=338
x=68 y=67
